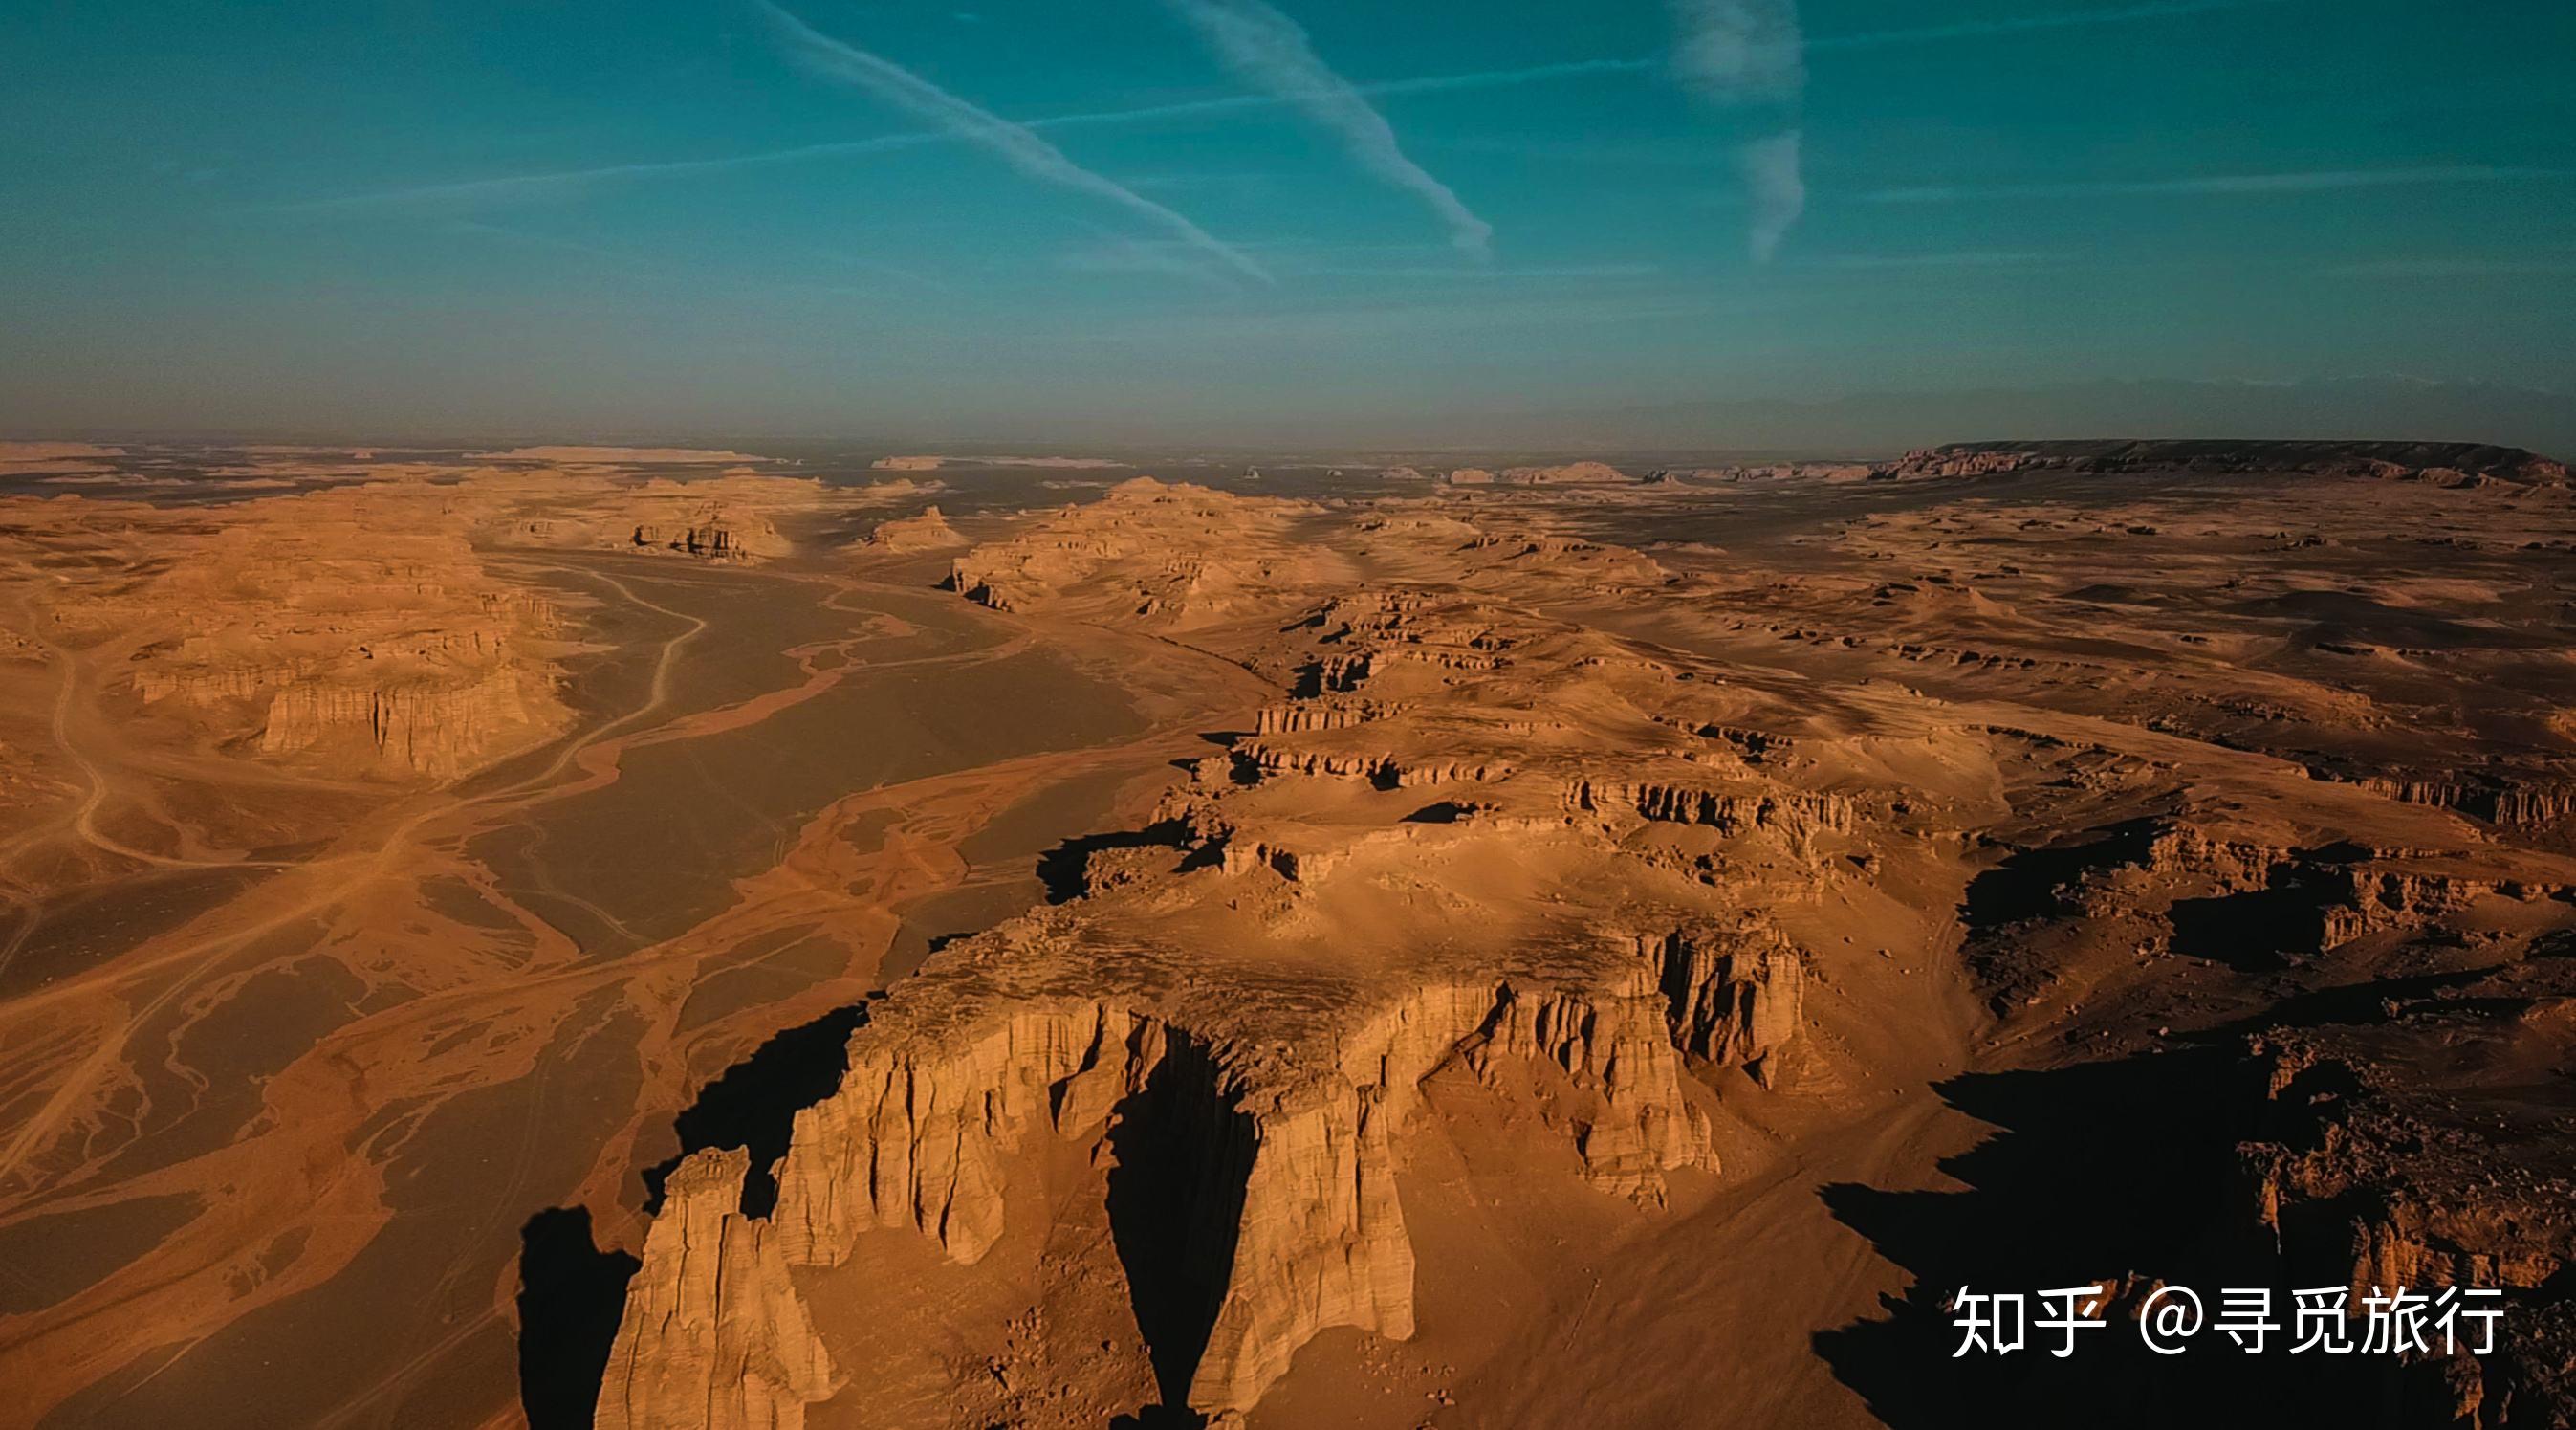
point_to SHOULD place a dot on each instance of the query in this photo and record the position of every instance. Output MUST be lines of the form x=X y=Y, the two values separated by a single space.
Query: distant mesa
x=717 y=535
x=1766 y=472
x=904 y=535
x=53 y=451
x=932 y=464
x=2458 y=464
x=1566 y=474
x=624 y=456
x=30 y=458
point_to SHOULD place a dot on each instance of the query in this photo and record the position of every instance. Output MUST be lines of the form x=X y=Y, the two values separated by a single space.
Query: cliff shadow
x=754 y=1104
x=2040 y=883
x=571 y=1296
x=1065 y=870
x=2095 y=1172
x=1182 y=1155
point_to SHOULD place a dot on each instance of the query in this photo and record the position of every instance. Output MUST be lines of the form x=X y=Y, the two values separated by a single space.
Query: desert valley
x=667 y=938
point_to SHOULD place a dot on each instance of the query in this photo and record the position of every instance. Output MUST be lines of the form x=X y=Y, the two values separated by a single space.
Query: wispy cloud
x=2304 y=181
x=1738 y=52
x=1110 y=252
x=553 y=183
x=1777 y=189
x=1722 y=54
x=558 y=182
x=1013 y=143
x=1272 y=52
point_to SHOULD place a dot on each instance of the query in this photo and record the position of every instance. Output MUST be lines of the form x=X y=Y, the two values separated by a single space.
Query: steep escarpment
x=1291 y=1122
x=437 y=728
x=719 y=1336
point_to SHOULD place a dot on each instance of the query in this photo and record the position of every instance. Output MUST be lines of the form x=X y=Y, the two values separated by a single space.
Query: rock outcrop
x=1291 y=1126
x=715 y=1337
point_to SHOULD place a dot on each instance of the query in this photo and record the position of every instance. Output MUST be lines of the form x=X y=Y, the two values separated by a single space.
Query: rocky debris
x=2429 y=1147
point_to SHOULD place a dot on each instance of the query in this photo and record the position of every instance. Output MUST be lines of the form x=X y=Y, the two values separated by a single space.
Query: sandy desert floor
x=574 y=937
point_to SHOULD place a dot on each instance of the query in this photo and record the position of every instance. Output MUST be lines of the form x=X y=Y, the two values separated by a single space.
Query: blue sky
x=1008 y=218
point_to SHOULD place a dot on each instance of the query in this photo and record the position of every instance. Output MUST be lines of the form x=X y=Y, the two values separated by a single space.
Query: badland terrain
x=665 y=938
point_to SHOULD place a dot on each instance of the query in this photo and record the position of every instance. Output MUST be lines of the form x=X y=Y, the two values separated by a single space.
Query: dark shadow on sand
x=571 y=1296
x=754 y=1104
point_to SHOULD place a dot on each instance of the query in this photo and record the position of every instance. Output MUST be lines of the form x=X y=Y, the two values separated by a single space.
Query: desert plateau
x=1288 y=715
x=663 y=939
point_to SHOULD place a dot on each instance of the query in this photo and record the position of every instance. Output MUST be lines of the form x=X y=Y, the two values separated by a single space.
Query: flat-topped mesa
x=349 y=630
x=2451 y=463
x=714 y=532
x=1289 y=1119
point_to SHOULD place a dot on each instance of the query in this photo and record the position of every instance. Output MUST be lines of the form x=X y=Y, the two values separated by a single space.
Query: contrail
x=1013 y=143
x=1272 y=51
x=540 y=184
x=536 y=185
